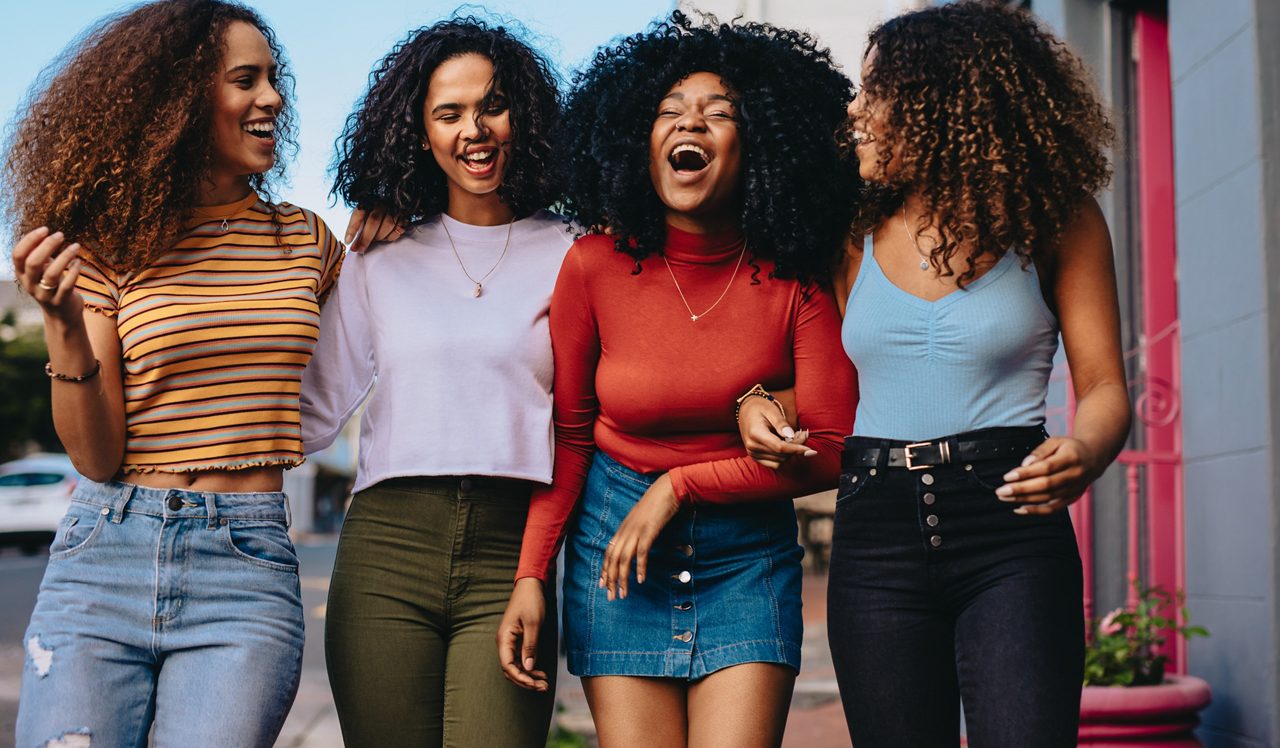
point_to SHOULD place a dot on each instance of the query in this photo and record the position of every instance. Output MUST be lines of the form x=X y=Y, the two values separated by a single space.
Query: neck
x=478 y=210
x=220 y=189
x=703 y=224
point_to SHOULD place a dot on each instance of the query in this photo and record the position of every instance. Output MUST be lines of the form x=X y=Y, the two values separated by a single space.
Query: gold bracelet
x=97 y=367
x=758 y=391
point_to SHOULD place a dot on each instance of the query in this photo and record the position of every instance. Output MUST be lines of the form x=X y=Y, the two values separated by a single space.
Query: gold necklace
x=694 y=317
x=924 y=258
x=479 y=289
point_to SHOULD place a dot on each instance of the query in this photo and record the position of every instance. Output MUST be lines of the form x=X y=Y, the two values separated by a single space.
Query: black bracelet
x=97 y=367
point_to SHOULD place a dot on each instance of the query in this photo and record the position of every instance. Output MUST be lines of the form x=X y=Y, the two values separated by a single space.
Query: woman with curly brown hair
x=955 y=575
x=445 y=331
x=178 y=325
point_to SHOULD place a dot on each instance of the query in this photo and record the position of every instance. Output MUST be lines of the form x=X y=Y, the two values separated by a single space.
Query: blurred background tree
x=26 y=421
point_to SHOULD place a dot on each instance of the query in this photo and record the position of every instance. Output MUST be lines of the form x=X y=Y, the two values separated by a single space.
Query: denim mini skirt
x=723 y=586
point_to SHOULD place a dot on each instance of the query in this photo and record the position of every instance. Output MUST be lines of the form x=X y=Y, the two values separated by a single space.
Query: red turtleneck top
x=637 y=378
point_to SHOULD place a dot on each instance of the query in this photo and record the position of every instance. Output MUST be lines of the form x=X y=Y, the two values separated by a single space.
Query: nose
x=474 y=129
x=691 y=121
x=270 y=99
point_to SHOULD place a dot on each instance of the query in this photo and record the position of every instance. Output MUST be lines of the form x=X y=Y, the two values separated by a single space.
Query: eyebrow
x=712 y=97
x=250 y=69
x=440 y=107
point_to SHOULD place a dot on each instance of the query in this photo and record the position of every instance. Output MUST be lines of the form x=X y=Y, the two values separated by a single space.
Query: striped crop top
x=215 y=335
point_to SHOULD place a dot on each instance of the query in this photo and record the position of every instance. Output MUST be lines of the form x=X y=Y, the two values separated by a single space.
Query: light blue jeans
x=178 y=608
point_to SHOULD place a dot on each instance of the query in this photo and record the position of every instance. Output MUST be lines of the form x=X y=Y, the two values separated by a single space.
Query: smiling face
x=469 y=137
x=245 y=106
x=869 y=117
x=695 y=154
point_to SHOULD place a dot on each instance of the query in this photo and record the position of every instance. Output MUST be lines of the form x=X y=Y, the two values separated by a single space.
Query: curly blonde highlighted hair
x=113 y=141
x=992 y=121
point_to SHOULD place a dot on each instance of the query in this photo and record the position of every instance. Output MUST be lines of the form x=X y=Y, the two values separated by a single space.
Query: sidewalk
x=816 y=720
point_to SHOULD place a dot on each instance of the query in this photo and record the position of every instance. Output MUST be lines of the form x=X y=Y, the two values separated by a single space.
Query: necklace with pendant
x=924 y=258
x=479 y=284
x=695 y=317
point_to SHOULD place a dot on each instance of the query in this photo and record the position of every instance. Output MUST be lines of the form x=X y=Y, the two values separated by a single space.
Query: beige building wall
x=841 y=25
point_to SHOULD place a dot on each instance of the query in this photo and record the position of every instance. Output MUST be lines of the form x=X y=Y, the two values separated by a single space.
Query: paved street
x=815 y=722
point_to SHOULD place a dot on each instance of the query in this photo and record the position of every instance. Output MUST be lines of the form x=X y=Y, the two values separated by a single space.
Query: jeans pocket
x=263 y=543
x=854 y=482
x=77 y=531
x=988 y=475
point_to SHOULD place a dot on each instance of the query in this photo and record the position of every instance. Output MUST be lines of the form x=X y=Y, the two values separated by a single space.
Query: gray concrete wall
x=1229 y=389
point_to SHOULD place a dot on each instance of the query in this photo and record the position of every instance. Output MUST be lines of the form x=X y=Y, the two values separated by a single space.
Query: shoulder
x=548 y=231
x=296 y=214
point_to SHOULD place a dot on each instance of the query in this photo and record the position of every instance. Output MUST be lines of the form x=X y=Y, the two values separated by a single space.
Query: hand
x=48 y=271
x=368 y=226
x=1051 y=478
x=768 y=437
x=635 y=537
x=518 y=633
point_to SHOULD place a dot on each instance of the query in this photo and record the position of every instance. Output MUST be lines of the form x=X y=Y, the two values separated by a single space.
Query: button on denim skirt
x=723 y=586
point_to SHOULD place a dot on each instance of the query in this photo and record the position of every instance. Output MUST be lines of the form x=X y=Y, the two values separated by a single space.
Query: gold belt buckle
x=944 y=450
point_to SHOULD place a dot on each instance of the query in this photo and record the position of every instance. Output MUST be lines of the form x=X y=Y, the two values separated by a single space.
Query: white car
x=34 y=494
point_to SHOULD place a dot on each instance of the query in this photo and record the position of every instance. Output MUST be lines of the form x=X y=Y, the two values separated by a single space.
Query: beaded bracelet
x=97 y=367
x=758 y=391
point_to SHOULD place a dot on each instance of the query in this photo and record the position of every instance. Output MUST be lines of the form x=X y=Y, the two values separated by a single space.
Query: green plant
x=562 y=738
x=1125 y=647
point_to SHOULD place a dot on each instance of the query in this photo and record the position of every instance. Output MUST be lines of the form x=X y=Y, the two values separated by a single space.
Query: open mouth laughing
x=689 y=159
x=479 y=160
x=263 y=129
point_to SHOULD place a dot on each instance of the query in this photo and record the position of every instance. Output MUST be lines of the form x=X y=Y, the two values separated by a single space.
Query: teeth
x=690 y=147
x=478 y=155
x=260 y=127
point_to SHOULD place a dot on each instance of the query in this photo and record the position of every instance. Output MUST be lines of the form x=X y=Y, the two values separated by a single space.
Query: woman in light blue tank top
x=955 y=573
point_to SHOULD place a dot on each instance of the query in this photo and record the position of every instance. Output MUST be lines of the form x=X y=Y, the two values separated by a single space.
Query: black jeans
x=937 y=591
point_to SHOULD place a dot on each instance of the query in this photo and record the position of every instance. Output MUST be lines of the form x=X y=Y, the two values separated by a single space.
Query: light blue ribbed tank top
x=978 y=357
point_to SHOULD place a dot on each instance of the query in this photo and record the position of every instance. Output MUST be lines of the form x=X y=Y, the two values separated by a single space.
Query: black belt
x=944 y=451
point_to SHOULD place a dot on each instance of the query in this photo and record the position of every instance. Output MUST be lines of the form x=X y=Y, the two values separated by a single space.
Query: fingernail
x=1021 y=510
x=45 y=229
x=1011 y=476
x=57 y=234
x=1004 y=491
x=788 y=432
x=1028 y=460
x=528 y=663
x=640 y=578
x=809 y=453
x=600 y=583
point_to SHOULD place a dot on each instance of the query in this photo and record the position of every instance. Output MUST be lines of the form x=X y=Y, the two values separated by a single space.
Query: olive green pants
x=424 y=570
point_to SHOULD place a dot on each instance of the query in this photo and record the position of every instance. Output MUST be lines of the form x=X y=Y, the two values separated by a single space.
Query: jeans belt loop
x=211 y=508
x=122 y=499
x=288 y=513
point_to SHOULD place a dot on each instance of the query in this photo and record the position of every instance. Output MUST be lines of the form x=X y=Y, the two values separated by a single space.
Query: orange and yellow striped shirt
x=215 y=335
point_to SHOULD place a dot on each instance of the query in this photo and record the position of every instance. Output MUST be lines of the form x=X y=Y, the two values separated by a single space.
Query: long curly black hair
x=111 y=145
x=796 y=194
x=380 y=163
x=994 y=123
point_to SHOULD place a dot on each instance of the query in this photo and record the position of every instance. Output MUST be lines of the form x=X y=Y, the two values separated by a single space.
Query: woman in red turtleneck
x=656 y=325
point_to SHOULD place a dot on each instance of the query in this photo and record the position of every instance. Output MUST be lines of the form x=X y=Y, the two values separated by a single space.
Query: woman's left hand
x=635 y=537
x=1051 y=478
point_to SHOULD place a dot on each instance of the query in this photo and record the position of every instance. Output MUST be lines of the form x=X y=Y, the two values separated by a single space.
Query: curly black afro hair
x=380 y=163
x=796 y=194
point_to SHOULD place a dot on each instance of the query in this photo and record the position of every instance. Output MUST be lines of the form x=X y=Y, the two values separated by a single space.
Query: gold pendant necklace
x=924 y=258
x=695 y=317
x=479 y=284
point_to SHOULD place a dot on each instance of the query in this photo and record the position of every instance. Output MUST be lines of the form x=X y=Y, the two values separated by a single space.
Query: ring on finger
x=46 y=286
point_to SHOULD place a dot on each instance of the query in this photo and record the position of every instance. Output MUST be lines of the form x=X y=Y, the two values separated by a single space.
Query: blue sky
x=332 y=46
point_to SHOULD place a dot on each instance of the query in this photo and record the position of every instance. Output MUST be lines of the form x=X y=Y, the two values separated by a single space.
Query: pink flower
x=1109 y=626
